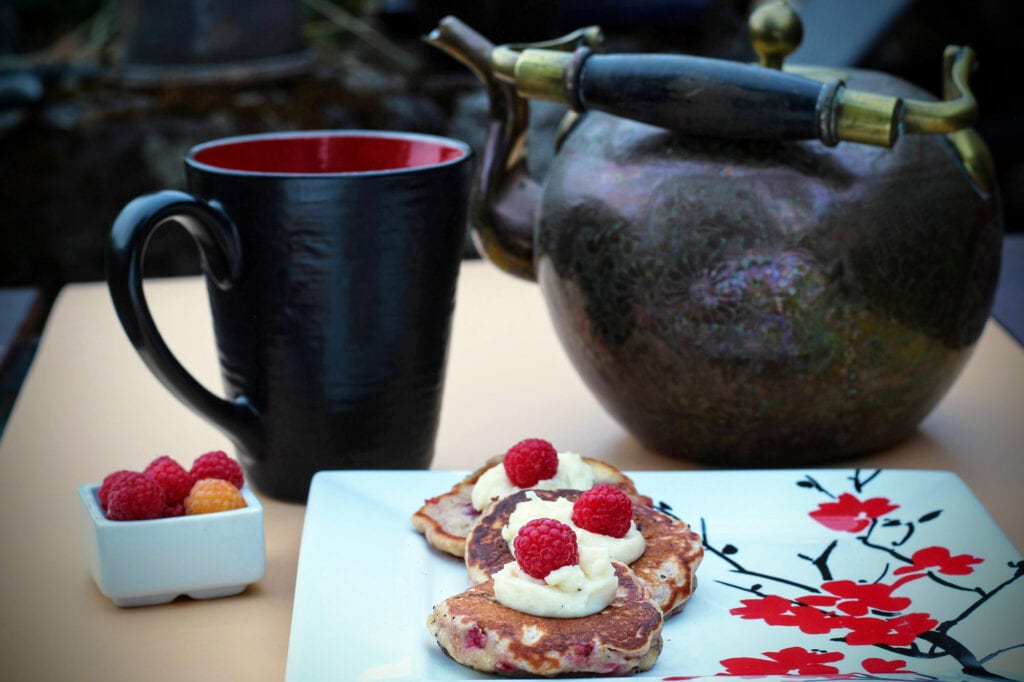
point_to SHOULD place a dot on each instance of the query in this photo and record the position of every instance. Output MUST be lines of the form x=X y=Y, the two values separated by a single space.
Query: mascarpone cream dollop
x=573 y=473
x=567 y=592
x=626 y=549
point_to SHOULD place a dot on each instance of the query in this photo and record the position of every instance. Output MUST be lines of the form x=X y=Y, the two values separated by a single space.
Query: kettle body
x=764 y=303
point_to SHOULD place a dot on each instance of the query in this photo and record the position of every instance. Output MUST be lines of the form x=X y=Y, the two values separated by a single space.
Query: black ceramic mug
x=331 y=261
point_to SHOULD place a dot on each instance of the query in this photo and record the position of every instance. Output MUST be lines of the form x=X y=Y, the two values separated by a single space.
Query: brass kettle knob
x=775 y=32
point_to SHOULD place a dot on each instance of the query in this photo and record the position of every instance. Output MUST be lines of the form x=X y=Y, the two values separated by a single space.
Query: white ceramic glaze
x=884 y=552
x=139 y=563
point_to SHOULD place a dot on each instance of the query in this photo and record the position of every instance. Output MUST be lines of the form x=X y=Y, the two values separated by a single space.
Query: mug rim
x=464 y=147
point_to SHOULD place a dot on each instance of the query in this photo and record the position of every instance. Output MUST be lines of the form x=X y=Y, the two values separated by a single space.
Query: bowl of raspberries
x=153 y=535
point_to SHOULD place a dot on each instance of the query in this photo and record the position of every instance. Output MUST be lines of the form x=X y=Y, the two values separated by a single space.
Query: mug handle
x=220 y=253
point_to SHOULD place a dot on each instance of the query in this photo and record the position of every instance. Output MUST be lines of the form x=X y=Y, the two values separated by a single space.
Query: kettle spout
x=505 y=197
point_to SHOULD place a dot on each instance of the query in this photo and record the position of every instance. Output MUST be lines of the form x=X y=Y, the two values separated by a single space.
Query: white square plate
x=918 y=580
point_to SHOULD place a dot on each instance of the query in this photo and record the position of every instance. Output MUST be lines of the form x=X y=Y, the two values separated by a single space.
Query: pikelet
x=667 y=567
x=445 y=520
x=624 y=638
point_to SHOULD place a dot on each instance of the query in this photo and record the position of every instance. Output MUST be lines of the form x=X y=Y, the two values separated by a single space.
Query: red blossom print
x=775 y=610
x=794 y=659
x=880 y=666
x=863 y=630
x=940 y=558
x=841 y=611
x=770 y=609
x=820 y=600
x=899 y=631
x=857 y=599
x=850 y=514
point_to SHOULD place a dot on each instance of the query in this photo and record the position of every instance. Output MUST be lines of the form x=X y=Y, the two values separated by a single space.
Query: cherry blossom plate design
x=807 y=575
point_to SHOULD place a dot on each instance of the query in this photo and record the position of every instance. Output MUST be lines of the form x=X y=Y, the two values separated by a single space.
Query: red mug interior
x=326 y=154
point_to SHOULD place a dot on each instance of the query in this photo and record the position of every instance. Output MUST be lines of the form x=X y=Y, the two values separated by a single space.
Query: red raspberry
x=134 y=498
x=108 y=483
x=530 y=461
x=603 y=509
x=217 y=465
x=172 y=477
x=171 y=511
x=544 y=545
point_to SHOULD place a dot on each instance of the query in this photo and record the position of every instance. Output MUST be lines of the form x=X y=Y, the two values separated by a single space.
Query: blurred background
x=100 y=99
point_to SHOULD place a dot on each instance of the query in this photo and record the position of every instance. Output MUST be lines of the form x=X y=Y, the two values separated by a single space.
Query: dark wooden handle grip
x=707 y=97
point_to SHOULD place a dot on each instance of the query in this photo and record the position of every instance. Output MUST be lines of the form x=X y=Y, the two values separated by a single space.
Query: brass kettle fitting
x=776 y=32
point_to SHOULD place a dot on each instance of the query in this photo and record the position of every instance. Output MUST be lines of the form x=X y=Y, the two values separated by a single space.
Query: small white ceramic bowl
x=138 y=563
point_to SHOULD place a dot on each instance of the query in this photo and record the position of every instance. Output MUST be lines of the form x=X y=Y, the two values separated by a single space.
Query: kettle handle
x=719 y=98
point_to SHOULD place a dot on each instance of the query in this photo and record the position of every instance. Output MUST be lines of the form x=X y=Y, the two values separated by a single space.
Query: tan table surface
x=89 y=406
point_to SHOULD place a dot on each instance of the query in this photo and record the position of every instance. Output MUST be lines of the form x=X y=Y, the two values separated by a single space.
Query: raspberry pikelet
x=558 y=608
x=667 y=566
x=445 y=520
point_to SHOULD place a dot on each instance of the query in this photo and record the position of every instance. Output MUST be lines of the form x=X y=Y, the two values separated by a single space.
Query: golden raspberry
x=213 y=495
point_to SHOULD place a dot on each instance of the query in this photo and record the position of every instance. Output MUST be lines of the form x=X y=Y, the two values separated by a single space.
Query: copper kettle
x=747 y=264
